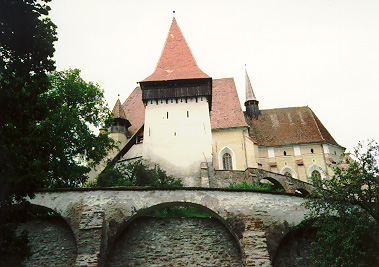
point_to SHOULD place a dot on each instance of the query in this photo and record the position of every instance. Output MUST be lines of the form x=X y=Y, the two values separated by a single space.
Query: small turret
x=121 y=123
x=251 y=103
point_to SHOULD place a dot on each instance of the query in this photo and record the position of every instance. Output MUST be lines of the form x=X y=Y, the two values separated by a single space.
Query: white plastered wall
x=177 y=136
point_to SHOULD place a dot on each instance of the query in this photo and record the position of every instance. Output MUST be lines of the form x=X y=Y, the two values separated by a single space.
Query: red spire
x=176 y=61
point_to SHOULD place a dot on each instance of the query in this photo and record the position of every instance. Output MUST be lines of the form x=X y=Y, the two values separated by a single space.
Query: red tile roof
x=134 y=110
x=226 y=108
x=176 y=61
x=286 y=126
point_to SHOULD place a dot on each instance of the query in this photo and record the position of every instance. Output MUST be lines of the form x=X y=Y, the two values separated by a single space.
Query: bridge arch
x=274 y=181
x=51 y=237
x=302 y=192
x=133 y=224
x=294 y=247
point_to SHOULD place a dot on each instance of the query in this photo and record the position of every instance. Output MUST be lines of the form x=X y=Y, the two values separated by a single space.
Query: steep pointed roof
x=118 y=111
x=176 y=61
x=248 y=88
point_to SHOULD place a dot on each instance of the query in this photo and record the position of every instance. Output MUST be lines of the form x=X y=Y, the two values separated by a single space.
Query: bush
x=136 y=174
x=261 y=186
x=112 y=177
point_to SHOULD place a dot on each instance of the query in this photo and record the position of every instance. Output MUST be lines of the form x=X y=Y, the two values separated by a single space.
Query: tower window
x=284 y=153
x=227 y=161
x=312 y=151
x=174 y=133
x=187 y=114
x=167 y=114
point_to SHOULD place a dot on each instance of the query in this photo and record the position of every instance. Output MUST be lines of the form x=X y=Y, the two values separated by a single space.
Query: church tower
x=177 y=99
x=119 y=130
x=251 y=102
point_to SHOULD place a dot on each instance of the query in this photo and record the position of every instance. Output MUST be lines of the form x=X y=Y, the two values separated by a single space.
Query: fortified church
x=190 y=124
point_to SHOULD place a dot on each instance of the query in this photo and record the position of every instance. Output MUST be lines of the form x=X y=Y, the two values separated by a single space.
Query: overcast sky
x=320 y=53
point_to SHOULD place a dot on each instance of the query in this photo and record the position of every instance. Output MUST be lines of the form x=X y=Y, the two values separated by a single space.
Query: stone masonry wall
x=52 y=243
x=98 y=217
x=224 y=178
x=152 y=241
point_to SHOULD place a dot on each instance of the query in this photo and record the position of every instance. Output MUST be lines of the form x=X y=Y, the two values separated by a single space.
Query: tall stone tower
x=177 y=99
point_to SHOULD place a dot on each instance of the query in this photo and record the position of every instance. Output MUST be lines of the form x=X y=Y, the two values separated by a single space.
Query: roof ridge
x=285 y=108
x=318 y=128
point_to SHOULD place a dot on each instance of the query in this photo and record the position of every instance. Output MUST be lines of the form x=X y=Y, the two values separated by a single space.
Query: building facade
x=183 y=120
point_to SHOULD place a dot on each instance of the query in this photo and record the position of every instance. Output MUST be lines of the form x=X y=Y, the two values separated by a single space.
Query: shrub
x=137 y=174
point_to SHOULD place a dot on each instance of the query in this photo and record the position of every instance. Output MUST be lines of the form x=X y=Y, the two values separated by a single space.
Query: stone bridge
x=290 y=185
x=257 y=221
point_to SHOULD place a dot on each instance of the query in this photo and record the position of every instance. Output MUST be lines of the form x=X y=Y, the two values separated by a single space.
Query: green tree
x=79 y=107
x=26 y=51
x=45 y=139
x=345 y=212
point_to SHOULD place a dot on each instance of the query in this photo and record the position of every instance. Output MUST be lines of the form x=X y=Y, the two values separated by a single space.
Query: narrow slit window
x=187 y=114
x=167 y=114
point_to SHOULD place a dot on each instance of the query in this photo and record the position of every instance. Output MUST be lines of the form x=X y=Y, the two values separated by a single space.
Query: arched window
x=288 y=174
x=316 y=174
x=288 y=171
x=227 y=161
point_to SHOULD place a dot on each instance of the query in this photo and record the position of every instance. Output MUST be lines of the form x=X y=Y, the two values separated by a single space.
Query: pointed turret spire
x=121 y=123
x=177 y=61
x=118 y=111
x=251 y=102
x=249 y=89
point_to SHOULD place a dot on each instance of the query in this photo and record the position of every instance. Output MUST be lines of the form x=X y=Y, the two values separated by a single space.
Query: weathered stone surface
x=52 y=243
x=175 y=242
x=294 y=249
x=97 y=217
